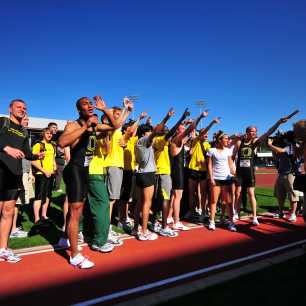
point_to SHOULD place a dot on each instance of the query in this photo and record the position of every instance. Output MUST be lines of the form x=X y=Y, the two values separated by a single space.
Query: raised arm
x=194 y=124
x=214 y=121
x=275 y=149
x=159 y=127
x=73 y=131
x=274 y=127
x=134 y=127
x=178 y=123
x=116 y=123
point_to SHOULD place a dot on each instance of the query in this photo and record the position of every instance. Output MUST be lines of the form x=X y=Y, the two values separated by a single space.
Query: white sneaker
x=81 y=262
x=147 y=236
x=168 y=232
x=236 y=217
x=156 y=227
x=81 y=237
x=114 y=240
x=179 y=226
x=9 y=256
x=211 y=226
x=170 y=220
x=232 y=227
x=105 y=248
x=255 y=221
x=19 y=233
x=292 y=218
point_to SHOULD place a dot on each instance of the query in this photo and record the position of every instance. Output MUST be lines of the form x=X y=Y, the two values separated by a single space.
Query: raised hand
x=186 y=112
x=143 y=115
x=205 y=113
x=128 y=103
x=100 y=103
x=217 y=120
x=171 y=112
x=149 y=121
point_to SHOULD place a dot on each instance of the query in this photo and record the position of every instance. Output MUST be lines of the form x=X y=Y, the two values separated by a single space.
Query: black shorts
x=43 y=187
x=197 y=175
x=144 y=180
x=10 y=184
x=223 y=182
x=128 y=185
x=76 y=181
x=245 y=180
x=177 y=176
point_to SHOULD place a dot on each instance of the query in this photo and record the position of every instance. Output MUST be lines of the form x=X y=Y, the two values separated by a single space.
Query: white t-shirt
x=220 y=165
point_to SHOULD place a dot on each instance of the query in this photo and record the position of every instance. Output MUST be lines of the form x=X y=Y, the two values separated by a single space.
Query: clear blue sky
x=247 y=58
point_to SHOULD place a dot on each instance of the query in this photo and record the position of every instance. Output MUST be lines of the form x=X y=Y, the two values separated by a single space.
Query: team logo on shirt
x=91 y=146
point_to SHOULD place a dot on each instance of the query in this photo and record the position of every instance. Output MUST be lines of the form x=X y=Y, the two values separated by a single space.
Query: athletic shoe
x=134 y=232
x=292 y=218
x=198 y=211
x=19 y=233
x=278 y=215
x=113 y=233
x=170 y=220
x=179 y=226
x=236 y=217
x=168 y=232
x=65 y=244
x=80 y=237
x=148 y=236
x=232 y=227
x=202 y=218
x=9 y=256
x=155 y=227
x=81 y=262
x=115 y=241
x=105 y=248
x=126 y=226
x=192 y=216
x=255 y=221
x=211 y=225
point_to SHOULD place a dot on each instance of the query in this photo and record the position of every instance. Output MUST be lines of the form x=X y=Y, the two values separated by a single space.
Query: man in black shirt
x=14 y=145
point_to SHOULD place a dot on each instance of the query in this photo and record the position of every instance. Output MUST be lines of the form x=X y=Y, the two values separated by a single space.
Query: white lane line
x=53 y=249
x=185 y=276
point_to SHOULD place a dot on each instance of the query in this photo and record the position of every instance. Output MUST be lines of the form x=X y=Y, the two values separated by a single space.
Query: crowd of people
x=135 y=173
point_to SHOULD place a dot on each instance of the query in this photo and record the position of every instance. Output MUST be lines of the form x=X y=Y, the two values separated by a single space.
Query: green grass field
x=51 y=234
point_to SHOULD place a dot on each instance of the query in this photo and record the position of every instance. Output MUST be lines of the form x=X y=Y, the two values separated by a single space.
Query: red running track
x=48 y=279
x=265 y=179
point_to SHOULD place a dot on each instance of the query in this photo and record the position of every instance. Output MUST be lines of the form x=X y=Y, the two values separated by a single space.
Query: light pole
x=200 y=104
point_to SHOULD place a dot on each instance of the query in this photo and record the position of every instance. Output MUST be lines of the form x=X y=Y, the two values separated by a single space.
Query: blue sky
x=246 y=58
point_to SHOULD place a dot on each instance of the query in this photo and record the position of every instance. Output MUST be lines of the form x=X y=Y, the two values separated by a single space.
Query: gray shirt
x=144 y=154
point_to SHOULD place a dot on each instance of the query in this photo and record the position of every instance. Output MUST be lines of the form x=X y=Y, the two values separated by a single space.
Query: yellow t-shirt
x=161 y=154
x=115 y=157
x=96 y=165
x=47 y=163
x=129 y=154
x=197 y=157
